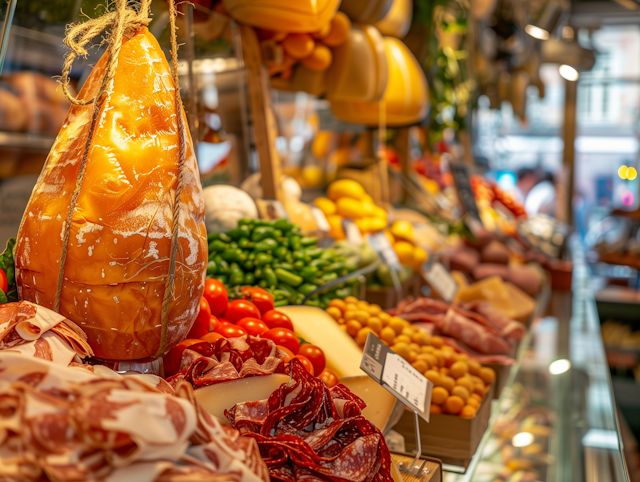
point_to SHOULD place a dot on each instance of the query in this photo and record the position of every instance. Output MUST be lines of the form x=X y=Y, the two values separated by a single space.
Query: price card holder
x=271 y=209
x=460 y=173
x=320 y=219
x=381 y=245
x=440 y=279
x=403 y=381
x=354 y=236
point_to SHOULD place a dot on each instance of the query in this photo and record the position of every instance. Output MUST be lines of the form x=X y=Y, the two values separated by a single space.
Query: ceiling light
x=569 y=73
x=559 y=366
x=522 y=439
x=546 y=21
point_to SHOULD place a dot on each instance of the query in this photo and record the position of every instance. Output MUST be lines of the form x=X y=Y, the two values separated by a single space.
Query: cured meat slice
x=509 y=328
x=473 y=334
x=306 y=431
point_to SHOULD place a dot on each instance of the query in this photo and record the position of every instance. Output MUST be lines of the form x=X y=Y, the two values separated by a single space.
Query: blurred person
x=538 y=191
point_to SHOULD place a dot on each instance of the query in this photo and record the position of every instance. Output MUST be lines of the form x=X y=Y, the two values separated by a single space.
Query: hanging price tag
x=380 y=243
x=440 y=280
x=354 y=236
x=397 y=376
x=320 y=219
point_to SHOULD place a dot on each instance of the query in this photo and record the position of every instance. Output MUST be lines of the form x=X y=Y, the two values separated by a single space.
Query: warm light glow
x=631 y=174
x=522 y=439
x=622 y=172
x=568 y=72
x=559 y=366
x=537 y=32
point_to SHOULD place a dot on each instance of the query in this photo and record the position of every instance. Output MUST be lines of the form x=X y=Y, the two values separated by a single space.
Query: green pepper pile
x=277 y=257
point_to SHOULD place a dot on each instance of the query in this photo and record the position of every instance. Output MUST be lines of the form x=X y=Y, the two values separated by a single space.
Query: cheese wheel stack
x=120 y=234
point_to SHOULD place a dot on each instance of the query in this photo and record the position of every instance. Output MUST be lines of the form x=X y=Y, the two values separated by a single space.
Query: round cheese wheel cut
x=120 y=232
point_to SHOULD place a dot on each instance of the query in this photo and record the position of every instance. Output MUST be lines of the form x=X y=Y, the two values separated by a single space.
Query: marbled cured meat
x=92 y=424
x=306 y=431
x=120 y=231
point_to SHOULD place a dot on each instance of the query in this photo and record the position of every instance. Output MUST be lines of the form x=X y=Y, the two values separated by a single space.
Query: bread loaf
x=120 y=233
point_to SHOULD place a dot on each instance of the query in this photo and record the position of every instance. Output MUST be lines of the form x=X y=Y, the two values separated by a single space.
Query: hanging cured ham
x=118 y=253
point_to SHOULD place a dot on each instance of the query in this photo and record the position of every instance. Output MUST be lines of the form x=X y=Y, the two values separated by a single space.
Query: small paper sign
x=397 y=376
x=440 y=280
x=381 y=245
x=354 y=236
x=320 y=219
x=460 y=173
x=271 y=209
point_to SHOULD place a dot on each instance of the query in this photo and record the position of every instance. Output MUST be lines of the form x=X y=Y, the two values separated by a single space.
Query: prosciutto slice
x=509 y=328
x=473 y=334
x=306 y=431
x=37 y=331
x=91 y=424
x=207 y=363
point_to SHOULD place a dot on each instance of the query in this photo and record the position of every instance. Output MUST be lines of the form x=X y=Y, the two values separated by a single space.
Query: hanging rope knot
x=123 y=22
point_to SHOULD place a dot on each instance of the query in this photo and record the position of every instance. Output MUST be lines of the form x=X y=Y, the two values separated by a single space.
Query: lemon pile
x=460 y=383
x=401 y=237
x=347 y=199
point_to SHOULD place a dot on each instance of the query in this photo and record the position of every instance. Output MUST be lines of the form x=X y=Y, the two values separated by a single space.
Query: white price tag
x=354 y=236
x=380 y=243
x=406 y=380
x=440 y=280
x=320 y=219
x=397 y=376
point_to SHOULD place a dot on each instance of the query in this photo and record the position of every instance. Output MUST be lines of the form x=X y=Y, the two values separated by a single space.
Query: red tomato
x=315 y=356
x=284 y=337
x=307 y=364
x=212 y=337
x=230 y=331
x=259 y=297
x=239 y=309
x=4 y=285
x=214 y=323
x=329 y=378
x=277 y=319
x=253 y=326
x=173 y=357
x=202 y=325
x=216 y=294
x=286 y=354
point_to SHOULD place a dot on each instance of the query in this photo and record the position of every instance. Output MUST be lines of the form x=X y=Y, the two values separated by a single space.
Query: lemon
x=349 y=207
x=377 y=224
x=335 y=223
x=345 y=188
x=312 y=175
x=402 y=230
x=326 y=205
x=419 y=257
x=404 y=250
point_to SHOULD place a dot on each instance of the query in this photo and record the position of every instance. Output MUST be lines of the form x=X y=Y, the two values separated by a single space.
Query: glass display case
x=556 y=419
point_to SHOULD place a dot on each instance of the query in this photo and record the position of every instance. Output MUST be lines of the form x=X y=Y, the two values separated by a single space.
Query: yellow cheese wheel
x=397 y=21
x=405 y=98
x=359 y=70
x=299 y=16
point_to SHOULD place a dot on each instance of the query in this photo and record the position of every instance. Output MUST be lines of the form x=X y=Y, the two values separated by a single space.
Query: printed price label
x=440 y=280
x=320 y=219
x=460 y=173
x=380 y=243
x=354 y=236
x=397 y=376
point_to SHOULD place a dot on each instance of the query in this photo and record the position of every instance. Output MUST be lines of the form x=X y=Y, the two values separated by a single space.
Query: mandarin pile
x=460 y=383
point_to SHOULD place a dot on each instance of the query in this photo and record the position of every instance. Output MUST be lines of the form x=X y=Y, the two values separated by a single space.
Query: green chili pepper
x=265 y=245
x=283 y=241
x=307 y=288
x=236 y=276
x=251 y=256
x=270 y=276
x=244 y=243
x=329 y=254
x=263 y=258
x=249 y=279
x=212 y=267
x=313 y=252
x=298 y=265
x=288 y=277
x=280 y=252
x=289 y=257
x=245 y=221
x=289 y=289
x=232 y=245
x=279 y=294
x=279 y=303
x=240 y=232
x=286 y=266
x=263 y=284
x=343 y=293
x=234 y=254
x=298 y=254
x=258 y=273
x=282 y=224
x=309 y=241
x=223 y=266
x=217 y=246
x=315 y=303
x=277 y=233
x=212 y=237
x=319 y=263
x=294 y=242
x=328 y=277
x=308 y=273
x=222 y=278
x=261 y=233
x=248 y=265
x=262 y=222
x=335 y=267
x=224 y=238
x=325 y=300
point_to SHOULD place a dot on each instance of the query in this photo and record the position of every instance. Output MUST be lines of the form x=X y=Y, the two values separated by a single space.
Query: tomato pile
x=254 y=315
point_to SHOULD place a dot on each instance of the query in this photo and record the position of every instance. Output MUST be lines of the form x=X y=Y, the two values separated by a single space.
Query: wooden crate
x=450 y=438
x=386 y=297
x=433 y=466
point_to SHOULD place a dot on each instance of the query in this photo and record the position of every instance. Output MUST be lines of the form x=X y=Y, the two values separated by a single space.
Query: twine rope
x=124 y=22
